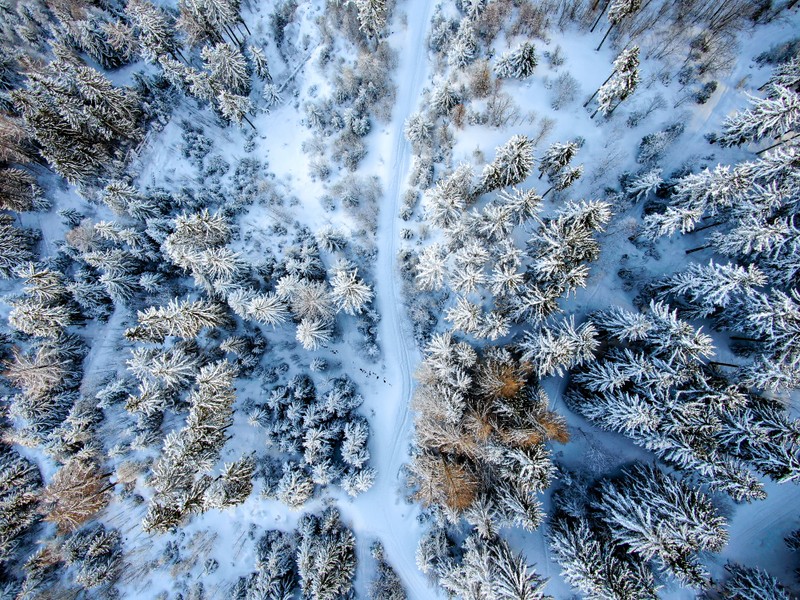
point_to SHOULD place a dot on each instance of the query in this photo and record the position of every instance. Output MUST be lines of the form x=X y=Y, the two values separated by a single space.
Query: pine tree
x=175 y=367
x=747 y=583
x=694 y=195
x=19 y=191
x=349 y=292
x=444 y=99
x=266 y=308
x=234 y=484
x=154 y=30
x=311 y=300
x=658 y=517
x=512 y=164
x=234 y=107
x=617 y=11
x=555 y=349
x=121 y=39
x=372 y=16
x=20 y=483
x=590 y=565
x=45 y=309
x=556 y=158
x=96 y=552
x=645 y=184
x=313 y=333
x=228 y=68
x=431 y=268
x=208 y=20
x=75 y=494
x=78 y=118
x=770 y=117
x=419 y=131
x=463 y=47
x=519 y=63
x=492 y=570
x=182 y=319
x=465 y=316
x=385 y=585
x=621 y=84
x=710 y=288
x=16 y=247
x=326 y=557
x=259 y=60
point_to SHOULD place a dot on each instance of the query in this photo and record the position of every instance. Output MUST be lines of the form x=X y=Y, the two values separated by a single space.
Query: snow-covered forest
x=400 y=299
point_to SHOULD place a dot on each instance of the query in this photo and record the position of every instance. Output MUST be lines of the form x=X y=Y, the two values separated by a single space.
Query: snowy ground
x=384 y=513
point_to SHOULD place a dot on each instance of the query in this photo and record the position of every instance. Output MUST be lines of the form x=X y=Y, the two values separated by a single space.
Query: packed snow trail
x=382 y=512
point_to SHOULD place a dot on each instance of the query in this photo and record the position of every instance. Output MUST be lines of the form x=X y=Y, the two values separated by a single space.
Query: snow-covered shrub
x=654 y=145
x=322 y=434
x=564 y=90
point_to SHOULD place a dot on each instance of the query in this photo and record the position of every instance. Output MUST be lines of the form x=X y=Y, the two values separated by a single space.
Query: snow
x=385 y=512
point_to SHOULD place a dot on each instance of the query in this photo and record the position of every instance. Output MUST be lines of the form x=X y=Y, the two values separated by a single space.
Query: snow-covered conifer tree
x=659 y=517
x=182 y=319
x=313 y=333
x=431 y=267
x=419 y=131
x=15 y=247
x=708 y=288
x=19 y=191
x=590 y=565
x=96 y=552
x=228 y=68
x=490 y=569
x=644 y=184
x=622 y=83
x=556 y=157
x=770 y=117
x=372 y=16
x=519 y=63
x=752 y=583
x=444 y=98
x=554 y=349
x=463 y=46
x=234 y=107
x=260 y=64
x=512 y=164
x=326 y=558
x=153 y=30
x=385 y=585
x=465 y=316
x=348 y=291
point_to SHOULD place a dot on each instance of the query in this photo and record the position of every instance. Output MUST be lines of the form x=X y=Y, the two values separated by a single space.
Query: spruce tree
x=512 y=164
x=519 y=63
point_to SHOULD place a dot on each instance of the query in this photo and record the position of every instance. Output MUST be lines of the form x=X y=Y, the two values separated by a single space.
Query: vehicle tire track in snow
x=393 y=520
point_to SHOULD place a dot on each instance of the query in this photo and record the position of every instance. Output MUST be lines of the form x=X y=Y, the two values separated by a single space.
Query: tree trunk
x=594 y=113
x=709 y=226
x=246 y=28
x=249 y=121
x=780 y=143
x=550 y=189
x=722 y=364
x=600 y=16
x=585 y=104
x=698 y=248
x=604 y=38
x=230 y=32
